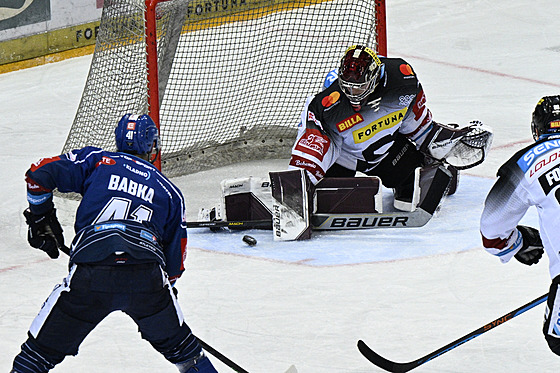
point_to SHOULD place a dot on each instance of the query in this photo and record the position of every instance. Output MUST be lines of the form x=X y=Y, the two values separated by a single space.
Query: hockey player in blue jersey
x=128 y=251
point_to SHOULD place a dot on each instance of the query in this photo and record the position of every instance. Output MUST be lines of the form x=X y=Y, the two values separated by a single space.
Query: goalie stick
x=417 y=218
x=392 y=366
x=396 y=219
x=248 y=224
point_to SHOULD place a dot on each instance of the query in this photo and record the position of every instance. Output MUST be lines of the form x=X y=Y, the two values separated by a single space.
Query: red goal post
x=224 y=80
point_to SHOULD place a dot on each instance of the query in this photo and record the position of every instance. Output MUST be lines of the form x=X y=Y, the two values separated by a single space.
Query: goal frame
x=152 y=53
x=241 y=99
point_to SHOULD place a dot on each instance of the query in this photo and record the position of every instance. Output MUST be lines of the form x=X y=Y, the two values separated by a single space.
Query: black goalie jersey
x=331 y=131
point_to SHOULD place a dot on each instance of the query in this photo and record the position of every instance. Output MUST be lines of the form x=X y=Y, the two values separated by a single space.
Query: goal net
x=225 y=80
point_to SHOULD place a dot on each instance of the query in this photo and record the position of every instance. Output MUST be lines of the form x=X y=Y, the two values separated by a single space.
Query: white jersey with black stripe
x=530 y=178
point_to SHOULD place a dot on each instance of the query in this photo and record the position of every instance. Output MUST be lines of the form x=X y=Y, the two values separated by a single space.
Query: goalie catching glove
x=45 y=233
x=532 y=247
x=462 y=148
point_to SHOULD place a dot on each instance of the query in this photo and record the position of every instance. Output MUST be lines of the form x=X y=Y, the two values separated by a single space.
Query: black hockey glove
x=44 y=232
x=532 y=250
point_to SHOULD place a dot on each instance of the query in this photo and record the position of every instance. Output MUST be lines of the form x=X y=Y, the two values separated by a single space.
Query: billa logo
x=349 y=122
x=330 y=99
x=555 y=124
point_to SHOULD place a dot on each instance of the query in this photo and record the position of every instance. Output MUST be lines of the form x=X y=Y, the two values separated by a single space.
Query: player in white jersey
x=374 y=119
x=530 y=178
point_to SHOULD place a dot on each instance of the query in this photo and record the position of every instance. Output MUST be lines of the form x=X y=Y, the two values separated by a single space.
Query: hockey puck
x=251 y=241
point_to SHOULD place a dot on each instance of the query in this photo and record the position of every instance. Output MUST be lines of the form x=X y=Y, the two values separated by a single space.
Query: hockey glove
x=532 y=250
x=462 y=148
x=44 y=232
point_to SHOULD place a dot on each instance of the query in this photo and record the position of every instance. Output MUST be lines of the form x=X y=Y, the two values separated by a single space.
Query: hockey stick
x=231 y=224
x=221 y=357
x=228 y=362
x=396 y=219
x=392 y=366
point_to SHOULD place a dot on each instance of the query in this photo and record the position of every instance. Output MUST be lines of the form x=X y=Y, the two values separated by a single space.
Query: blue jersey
x=115 y=187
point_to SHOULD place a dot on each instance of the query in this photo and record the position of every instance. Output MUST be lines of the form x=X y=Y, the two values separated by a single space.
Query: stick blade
x=381 y=362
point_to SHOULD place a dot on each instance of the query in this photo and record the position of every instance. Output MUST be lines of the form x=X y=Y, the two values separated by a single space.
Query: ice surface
x=406 y=292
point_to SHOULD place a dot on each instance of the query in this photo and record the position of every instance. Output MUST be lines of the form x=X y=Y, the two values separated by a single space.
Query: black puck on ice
x=251 y=241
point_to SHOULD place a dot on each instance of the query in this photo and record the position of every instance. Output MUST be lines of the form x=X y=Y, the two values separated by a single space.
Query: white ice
x=406 y=292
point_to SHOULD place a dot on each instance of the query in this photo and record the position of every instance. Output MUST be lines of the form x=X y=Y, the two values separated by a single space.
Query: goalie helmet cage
x=224 y=80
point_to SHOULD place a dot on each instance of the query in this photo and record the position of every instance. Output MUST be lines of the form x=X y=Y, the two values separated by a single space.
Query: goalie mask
x=546 y=117
x=137 y=134
x=359 y=74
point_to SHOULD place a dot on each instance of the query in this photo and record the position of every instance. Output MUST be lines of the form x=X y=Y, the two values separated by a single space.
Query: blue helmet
x=137 y=134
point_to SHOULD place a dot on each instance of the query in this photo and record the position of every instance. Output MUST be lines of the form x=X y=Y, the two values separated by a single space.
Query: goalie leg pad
x=406 y=197
x=291 y=192
x=454 y=183
x=243 y=199
x=431 y=184
x=434 y=183
x=347 y=195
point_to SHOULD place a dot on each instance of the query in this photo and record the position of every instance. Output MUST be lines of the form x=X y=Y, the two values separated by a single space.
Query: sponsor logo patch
x=532 y=155
x=148 y=236
x=308 y=165
x=388 y=121
x=330 y=99
x=540 y=165
x=405 y=100
x=313 y=142
x=38 y=199
x=406 y=69
x=144 y=174
x=311 y=117
x=102 y=227
x=106 y=161
x=349 y=122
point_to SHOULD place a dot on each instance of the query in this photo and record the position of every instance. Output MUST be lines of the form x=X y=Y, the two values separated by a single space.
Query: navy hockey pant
x=88 y=295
